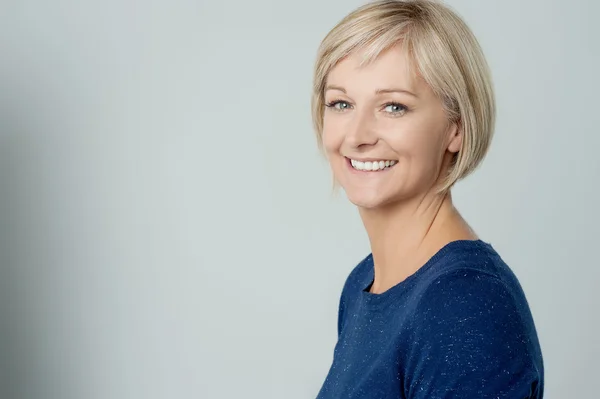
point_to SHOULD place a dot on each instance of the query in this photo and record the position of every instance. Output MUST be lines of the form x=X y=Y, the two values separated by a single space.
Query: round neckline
x=376 y=300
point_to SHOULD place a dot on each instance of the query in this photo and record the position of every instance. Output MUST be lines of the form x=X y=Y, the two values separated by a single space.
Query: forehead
x=391 y=68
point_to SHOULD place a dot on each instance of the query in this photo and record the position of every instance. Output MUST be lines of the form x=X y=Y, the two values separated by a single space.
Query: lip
x=368 y=159
x=365 y=172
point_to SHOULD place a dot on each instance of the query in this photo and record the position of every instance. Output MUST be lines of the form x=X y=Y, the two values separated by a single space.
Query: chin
x=373 y=201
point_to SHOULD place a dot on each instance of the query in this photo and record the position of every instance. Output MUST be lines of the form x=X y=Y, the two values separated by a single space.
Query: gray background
x=166 y=223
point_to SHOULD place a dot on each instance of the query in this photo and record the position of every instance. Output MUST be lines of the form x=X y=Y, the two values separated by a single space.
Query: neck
x=405 y=235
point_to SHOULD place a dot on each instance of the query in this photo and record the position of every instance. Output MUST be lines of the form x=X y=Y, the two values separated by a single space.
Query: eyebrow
x=380 y=91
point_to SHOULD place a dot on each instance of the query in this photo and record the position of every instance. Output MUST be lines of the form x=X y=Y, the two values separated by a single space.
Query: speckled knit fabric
x=460 y=327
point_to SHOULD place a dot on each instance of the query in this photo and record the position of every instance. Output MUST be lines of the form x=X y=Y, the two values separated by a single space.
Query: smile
x=371 y=166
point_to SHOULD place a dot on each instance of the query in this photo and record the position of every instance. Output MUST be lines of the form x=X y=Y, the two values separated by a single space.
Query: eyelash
x=333 y=103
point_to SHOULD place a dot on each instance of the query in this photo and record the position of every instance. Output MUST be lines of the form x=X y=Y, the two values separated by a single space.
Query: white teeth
x=371 y=166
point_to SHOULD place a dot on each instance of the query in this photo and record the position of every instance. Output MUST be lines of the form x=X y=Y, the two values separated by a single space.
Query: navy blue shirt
x=459 y=327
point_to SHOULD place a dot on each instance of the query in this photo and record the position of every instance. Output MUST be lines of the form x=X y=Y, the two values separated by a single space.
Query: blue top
x=459 y=327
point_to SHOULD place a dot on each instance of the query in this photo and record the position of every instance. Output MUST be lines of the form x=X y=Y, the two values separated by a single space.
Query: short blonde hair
x=443 y=51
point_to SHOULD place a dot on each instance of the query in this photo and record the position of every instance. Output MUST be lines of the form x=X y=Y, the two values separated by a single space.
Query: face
x=386 y=134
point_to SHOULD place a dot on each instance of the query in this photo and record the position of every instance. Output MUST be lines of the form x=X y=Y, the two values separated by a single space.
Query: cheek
x=420 y=144
x=332 y=135
x=412 y=143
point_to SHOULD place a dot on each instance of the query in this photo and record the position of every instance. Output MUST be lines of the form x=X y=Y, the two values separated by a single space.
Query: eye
x=338 y=105
x=395 y=108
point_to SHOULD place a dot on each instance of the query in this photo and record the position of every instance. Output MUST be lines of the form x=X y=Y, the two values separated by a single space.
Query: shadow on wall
x=14 y=345
x=24 y=262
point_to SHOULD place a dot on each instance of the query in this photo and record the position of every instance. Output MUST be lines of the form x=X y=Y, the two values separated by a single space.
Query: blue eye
x=338 y=105
x=394 y=108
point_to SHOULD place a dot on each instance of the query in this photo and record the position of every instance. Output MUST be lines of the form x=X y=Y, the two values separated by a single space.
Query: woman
x=403 y=107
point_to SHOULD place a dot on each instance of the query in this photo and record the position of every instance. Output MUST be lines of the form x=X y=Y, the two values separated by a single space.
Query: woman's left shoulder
x=476 y=261
x=476 y=296
x=472 y=319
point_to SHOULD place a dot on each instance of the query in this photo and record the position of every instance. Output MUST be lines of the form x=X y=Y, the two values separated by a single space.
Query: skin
x=382 y=112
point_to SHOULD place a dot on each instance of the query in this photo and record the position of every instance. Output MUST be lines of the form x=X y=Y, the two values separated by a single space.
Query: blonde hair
x=443 y=51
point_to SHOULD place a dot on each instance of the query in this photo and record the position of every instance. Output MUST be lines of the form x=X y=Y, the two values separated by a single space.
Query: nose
x=360 y=130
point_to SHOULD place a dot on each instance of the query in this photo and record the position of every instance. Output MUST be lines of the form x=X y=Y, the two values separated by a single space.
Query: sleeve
x=469 y=341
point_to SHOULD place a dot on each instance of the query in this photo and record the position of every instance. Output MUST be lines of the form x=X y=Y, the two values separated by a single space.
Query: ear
x=455 y=137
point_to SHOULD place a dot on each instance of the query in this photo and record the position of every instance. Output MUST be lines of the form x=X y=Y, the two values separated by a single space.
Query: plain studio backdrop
x=166 y=223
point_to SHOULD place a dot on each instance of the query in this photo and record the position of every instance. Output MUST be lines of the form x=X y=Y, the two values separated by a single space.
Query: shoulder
x=464 y=290
x=351 y=287
x=468 y=265
x=470 y=322
x=355 y=281
x=470 y=292
x=471 y=283
x=358 y=275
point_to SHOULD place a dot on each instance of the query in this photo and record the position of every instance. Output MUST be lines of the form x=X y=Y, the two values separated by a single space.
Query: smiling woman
x=383 y=113
x=403 y=108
